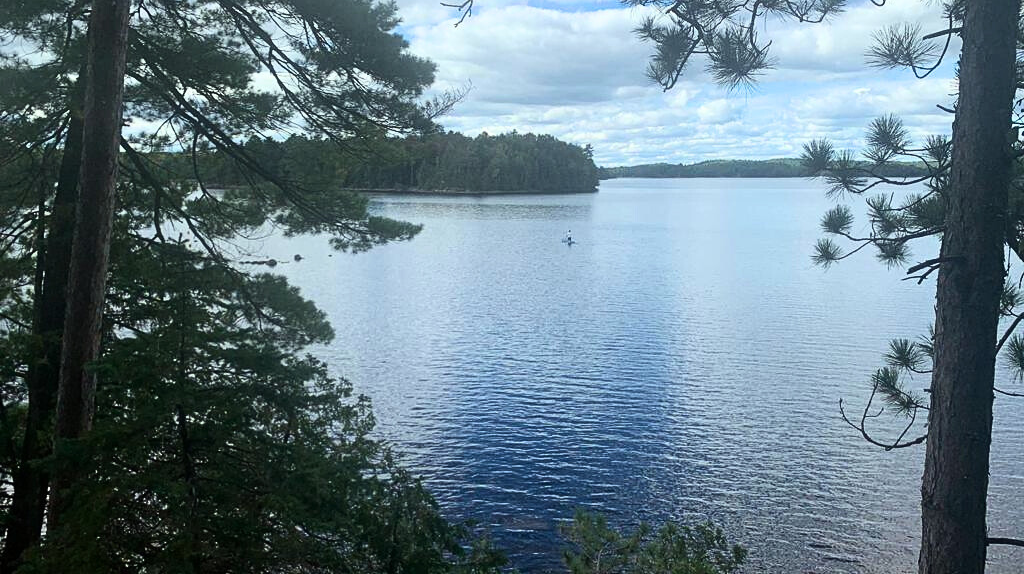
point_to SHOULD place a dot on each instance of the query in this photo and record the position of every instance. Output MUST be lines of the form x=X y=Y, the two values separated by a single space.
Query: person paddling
x=568 y=236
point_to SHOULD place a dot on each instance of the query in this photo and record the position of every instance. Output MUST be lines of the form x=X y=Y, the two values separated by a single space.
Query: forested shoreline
x=431 y=163
x=780 y=167
x=451 y=163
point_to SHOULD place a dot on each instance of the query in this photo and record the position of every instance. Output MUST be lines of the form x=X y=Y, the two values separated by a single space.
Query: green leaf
x=1010 y=298
x=735 y=61
x=826 y=252
x=1013 y=356
x=845 y=175
x=905 y=354
x=837 y=220
x=892 y=253
x=887 y=383
x=886 y=138
x=900 y=45
x=939 y=148
x=817 y=156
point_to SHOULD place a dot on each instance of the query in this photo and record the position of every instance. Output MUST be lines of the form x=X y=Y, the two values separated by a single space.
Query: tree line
x=781 y=167
x=440 y=161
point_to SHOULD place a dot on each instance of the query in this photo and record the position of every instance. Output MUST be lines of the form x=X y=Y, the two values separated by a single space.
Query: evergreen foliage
x=217 y=444
x=972 y=203
x=434 y=162
x=596 y=548
x=896 y=225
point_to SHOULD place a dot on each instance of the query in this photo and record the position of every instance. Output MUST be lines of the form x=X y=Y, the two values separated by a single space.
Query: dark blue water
x=684 y=360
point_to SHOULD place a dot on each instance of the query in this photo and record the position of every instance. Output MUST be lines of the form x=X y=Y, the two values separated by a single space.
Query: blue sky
x=575 y=70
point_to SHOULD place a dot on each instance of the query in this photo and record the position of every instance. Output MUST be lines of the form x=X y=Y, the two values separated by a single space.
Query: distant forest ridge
x=781 y=167
x=441 y=162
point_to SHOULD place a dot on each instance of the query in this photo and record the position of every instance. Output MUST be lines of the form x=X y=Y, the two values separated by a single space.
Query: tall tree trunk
x=955 y=484
x=25 y=522
x=90 y=252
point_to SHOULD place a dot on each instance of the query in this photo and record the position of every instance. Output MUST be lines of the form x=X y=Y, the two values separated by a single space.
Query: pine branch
x=867 y=436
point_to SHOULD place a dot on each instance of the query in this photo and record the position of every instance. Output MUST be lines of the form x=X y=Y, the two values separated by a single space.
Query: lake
x=684 y=360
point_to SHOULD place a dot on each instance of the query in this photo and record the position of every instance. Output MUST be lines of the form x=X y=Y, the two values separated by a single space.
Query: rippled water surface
x=684 y=360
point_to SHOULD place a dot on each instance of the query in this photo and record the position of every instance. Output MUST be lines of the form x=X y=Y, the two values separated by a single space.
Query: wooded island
x=440 y=162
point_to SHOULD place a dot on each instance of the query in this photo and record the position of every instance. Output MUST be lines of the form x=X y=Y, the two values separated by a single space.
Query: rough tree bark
x=955 y=484
x=31 y=481
x=108 y=43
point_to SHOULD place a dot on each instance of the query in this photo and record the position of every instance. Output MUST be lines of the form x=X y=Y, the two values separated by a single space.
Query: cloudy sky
x=574 y=69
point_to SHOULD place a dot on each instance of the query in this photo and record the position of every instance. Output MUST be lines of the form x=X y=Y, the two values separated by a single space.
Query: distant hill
x=781 y=167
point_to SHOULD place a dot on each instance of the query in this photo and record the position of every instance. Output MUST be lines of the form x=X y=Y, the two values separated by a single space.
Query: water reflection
x=482 y=207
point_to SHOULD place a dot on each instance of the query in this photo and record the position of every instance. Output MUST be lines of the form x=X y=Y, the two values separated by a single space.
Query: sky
x=574 y=69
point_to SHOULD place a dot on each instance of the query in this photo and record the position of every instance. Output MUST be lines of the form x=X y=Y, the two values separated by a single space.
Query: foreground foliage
x=596 y=548
x=218 y=446
x=214 y=443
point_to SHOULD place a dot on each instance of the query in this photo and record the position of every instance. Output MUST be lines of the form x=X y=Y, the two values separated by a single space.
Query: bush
x=673 y=549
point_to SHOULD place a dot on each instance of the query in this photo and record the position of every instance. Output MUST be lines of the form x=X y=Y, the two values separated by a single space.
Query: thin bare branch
x=941 y=33
x=1007 y=541
x=867 y=436
x=1007 y=393
x=466 y=8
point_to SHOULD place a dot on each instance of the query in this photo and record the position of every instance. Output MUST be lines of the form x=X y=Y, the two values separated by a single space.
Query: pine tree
x=90 y=247
x=190 y=67
x=970 y=185
x=966 y=206
x=218 y=446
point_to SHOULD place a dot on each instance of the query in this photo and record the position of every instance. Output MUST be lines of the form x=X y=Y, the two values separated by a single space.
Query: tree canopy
x=511 y=162
x=596 y=548
x=217 y=443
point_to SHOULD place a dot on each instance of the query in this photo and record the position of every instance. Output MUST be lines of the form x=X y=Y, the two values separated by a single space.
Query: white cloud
x=579 y=75
x=719 y=111
x=840 y=44
x=525 y=55
x=912 y=98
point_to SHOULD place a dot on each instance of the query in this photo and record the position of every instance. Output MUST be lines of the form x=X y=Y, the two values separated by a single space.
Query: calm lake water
x=684 y=360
